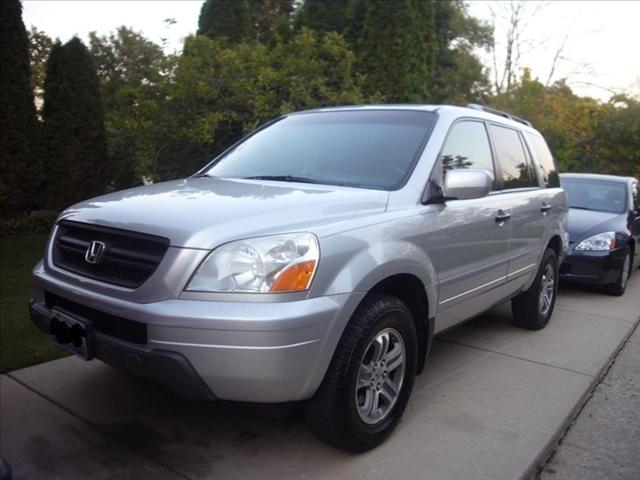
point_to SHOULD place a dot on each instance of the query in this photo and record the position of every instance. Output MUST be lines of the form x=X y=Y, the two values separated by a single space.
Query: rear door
x=473 y=235
x=519 y=182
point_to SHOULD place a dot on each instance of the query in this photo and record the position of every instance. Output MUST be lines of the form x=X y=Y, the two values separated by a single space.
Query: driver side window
x=635 y=190
x=467 y=146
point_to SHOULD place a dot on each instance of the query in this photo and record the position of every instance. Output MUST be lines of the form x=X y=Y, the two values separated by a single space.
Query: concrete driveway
x=492 y=403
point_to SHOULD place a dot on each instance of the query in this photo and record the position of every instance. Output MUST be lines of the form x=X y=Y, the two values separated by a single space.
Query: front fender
x=351 y=264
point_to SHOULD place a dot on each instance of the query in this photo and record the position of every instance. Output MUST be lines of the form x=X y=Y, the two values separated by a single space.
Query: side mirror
x=465 y=184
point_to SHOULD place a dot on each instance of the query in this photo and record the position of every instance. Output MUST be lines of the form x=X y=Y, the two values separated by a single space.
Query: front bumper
x=242 y=351
x=593 y=268
x=170 y=369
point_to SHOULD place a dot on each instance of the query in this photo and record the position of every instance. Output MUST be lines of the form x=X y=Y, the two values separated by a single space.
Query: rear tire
x=533 y=309
x=617 y=289
x=366 y=390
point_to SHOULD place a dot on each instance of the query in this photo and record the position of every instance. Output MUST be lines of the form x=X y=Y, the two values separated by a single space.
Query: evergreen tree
x=323 y=15
x=74 y=126
x=394 y=50
x=20 y=153
x=271 y=18
x=230 y=19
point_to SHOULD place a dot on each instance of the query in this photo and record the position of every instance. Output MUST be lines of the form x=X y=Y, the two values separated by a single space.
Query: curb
x=540 y=460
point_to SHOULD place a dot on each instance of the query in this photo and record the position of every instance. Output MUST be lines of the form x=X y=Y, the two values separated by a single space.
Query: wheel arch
x=411 y=291
x=555 y=243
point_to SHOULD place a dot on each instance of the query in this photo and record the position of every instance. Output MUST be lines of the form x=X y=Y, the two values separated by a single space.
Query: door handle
x=545 y=208
x=502 y=217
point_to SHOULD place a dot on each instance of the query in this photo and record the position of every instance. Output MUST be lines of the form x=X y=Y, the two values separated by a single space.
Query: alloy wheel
x=380 y=376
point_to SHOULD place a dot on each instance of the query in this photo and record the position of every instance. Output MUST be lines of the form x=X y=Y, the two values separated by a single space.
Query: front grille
x=112 y=325
x=128 y=259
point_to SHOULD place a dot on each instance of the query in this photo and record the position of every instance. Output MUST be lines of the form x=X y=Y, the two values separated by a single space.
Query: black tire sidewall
x=618 y=288
x=549 y=257
x=525 y=307
x=401 y=321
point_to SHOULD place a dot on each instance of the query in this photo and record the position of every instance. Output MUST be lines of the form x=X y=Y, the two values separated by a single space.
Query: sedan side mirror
x=465 y=184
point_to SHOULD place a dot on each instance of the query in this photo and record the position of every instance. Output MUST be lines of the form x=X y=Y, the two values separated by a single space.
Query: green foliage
x=39 y=47
x=271 y=18
x=323 y=15
x=226 y=19
x=39 y=221
x=394 y=51
x=458 y=75
x=166 y=115
x=134 y=75
x=74 y=126
x=617 y=136
x=20 y=147
x=221 y=92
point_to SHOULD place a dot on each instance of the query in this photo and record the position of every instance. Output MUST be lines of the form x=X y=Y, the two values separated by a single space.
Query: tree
x=394 y=51
x=221 y=92
x=74 y=126
x=271 y=18
x=616 y=139
x=134 y=74
x=323 y=15
x=226 y=19
x=20 y=152
x=39 y=47
x=458 y=74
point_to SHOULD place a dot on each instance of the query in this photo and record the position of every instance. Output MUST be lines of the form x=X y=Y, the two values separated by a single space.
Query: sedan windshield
x=364 y=148
x=598 y=195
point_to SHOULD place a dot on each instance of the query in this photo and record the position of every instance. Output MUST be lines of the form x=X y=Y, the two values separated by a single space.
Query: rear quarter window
x=545 y=161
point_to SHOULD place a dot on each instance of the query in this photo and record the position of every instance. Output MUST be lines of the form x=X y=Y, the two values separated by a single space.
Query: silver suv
x=313 y=260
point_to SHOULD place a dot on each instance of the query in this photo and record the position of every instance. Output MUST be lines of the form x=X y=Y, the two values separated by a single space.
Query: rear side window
x=545 y=160
x=467 y=146
x=515 y=169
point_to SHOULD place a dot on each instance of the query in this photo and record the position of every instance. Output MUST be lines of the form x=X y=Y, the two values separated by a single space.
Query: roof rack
x=495 y=111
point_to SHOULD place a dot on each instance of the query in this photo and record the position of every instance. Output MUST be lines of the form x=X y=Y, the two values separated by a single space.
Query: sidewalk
x=492 y=403
x=604 y=440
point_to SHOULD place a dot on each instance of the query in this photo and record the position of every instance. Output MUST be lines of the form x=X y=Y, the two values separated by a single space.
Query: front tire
x=370 y=378
x=533 y=309
x=617 y=289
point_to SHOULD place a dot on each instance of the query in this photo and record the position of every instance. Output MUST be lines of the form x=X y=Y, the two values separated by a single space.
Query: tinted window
x=516 y=171
x=358 y=148
x=545 y=160
x=636 y=195
x=467 y=146
x=601 y=196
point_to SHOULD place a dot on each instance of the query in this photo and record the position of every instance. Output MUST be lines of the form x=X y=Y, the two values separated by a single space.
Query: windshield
x=598 y=195
x=370 y=149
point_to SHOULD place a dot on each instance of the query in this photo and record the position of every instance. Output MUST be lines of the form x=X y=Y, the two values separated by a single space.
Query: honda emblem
x=94 y=252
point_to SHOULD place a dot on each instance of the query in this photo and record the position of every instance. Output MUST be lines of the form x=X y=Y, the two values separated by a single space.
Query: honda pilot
x=314 y=260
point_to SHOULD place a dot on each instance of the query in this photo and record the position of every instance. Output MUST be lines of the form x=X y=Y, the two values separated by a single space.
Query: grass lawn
x=21 y=343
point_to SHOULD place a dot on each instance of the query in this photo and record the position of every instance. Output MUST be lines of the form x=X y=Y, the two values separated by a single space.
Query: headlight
x=278 y=263
x=602 y=241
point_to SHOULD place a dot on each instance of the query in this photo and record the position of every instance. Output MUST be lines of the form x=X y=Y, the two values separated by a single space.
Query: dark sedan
x=604 y=230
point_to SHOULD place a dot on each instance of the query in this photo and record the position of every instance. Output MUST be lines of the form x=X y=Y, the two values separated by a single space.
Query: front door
x=473 y=235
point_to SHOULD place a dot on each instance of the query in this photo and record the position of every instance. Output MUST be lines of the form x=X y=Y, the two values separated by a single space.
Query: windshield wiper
x=582 y=208
x=284 y=178
x=201 y=175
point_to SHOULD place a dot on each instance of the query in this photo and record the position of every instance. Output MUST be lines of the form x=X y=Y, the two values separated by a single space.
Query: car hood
x=584 y=223
x=205 y=212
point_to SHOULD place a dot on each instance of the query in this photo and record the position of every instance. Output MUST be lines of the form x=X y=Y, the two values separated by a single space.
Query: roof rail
x=495 y=111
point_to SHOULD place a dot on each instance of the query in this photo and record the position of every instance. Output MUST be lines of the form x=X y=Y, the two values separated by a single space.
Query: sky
x=601 y=38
